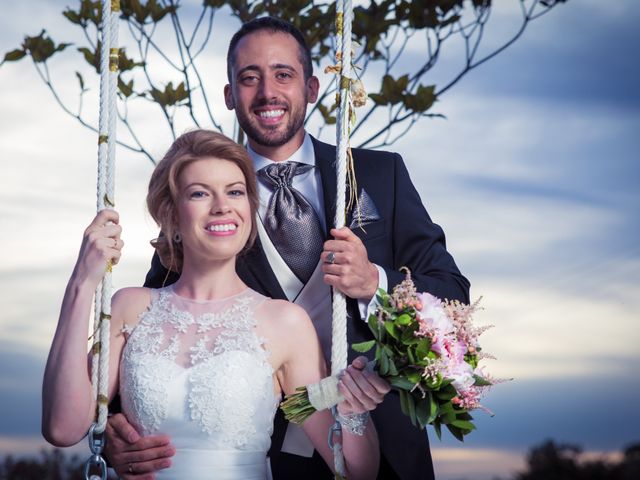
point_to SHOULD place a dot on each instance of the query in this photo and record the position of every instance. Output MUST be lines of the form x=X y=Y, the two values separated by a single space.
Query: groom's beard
x=276 y=135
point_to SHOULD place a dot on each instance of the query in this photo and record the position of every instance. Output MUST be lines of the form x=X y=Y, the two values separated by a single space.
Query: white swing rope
x=344 y=17
x=105 y=199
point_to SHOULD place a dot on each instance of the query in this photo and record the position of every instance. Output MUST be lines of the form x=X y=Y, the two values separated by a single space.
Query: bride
x=206 y=359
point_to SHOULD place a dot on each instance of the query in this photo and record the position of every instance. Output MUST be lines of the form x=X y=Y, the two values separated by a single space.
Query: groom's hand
x=362 y=388
x=346 y=265
x=134 y=457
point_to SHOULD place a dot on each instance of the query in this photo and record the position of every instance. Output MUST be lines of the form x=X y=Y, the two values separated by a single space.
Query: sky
x=533 y=175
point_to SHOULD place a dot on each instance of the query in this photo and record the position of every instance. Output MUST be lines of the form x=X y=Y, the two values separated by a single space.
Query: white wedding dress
x=197 y=372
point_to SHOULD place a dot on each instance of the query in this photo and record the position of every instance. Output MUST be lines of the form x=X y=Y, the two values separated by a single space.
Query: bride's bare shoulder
x=128 y=303
x=284 y=314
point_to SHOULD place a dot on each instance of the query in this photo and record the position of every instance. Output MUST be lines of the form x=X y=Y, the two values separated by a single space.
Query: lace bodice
x=197 y=371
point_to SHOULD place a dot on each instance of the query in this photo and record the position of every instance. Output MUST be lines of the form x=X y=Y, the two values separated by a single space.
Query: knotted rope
x=344 y=17
x=109 y=54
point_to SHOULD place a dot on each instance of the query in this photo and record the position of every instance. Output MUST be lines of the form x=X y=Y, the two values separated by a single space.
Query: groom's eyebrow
x=275 y=66
x=253 y=68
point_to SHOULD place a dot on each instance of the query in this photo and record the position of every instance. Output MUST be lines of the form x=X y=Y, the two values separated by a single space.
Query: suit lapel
x=325 y=160
x=254 y=269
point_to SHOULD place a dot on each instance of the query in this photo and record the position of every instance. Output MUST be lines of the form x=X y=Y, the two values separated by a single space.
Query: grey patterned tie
x=291 y=221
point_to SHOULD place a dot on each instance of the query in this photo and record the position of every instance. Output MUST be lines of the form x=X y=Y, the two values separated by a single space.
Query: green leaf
x=447 y=393
x=391 y=329
x=90 y=57
x=414 y=377
x=379 y=99
x=404 y=403
x=481 y=382
x=411 y=355
x=80 y=80
x=392 y=367
x=363 y=347
x=422 y=412
x=62 y=46
x=433 y=408
x=384 y=363
x=400 y=383
x=403 y=320
x=423 y=99
x=408 y=335
x=463 y=424
x=125 y=88
x=412 y=409
x=72 y=16
x=438 y=428
x=14 y=55
x=455 y=431
x=423 y=348
x=374 y=326
x=401 y=83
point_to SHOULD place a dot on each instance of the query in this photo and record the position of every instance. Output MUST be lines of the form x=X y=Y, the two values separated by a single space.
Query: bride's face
x=214 y=216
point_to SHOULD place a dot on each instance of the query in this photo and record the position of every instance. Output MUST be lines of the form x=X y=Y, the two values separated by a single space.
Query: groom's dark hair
x=272 y=25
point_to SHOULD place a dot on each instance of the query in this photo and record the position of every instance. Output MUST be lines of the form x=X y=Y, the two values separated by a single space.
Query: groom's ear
x=228 y=97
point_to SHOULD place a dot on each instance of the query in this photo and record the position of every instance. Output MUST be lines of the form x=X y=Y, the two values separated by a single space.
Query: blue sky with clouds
x=534 y=176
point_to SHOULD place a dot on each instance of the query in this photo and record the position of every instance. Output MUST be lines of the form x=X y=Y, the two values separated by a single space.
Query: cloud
x=20 y=383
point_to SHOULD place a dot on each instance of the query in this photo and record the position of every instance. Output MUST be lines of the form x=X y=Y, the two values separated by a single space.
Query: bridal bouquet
x=428 y=350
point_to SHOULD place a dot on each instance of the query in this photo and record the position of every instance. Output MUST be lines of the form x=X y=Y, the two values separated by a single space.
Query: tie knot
x=280 y=174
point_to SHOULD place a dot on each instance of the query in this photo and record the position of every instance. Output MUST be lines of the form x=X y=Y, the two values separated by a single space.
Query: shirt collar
x=304 y=154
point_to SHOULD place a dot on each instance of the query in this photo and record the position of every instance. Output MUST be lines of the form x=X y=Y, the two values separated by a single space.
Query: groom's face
x=268 y=90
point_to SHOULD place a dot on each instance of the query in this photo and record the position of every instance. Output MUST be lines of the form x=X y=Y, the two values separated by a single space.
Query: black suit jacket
x=404 y=236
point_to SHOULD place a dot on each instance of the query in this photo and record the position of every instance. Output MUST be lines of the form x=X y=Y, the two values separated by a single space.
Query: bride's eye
x=197 y=194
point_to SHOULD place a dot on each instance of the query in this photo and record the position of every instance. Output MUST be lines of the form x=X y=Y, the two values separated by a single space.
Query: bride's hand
x=361 y=388
x=101 y=245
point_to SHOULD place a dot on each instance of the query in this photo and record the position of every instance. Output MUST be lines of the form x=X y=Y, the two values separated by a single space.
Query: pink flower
x=434 y=315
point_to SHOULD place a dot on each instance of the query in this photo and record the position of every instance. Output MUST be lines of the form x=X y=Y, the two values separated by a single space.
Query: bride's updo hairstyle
x=163 y=187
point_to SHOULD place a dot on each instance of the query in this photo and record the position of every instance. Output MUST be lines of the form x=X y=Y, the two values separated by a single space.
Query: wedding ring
x=331 y=258
x=130 y=469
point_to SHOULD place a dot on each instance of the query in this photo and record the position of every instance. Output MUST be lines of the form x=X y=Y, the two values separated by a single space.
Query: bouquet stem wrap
x=323 y=395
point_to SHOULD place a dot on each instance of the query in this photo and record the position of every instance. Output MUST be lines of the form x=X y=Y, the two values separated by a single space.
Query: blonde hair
x=163 y=187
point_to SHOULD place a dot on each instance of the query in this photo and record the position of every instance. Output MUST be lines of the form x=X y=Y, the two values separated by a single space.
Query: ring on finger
x=331 y=258
x=130 y=469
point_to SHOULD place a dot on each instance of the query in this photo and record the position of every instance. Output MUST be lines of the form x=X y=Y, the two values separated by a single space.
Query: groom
x=270 y=84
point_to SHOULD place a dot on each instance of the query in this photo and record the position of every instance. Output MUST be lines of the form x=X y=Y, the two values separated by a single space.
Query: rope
x=344 y=17
x=105 y=199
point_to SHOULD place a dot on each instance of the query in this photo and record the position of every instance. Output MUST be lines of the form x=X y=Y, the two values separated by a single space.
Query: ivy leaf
x=125 y=88
x=379 y=99
x=91 y=57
